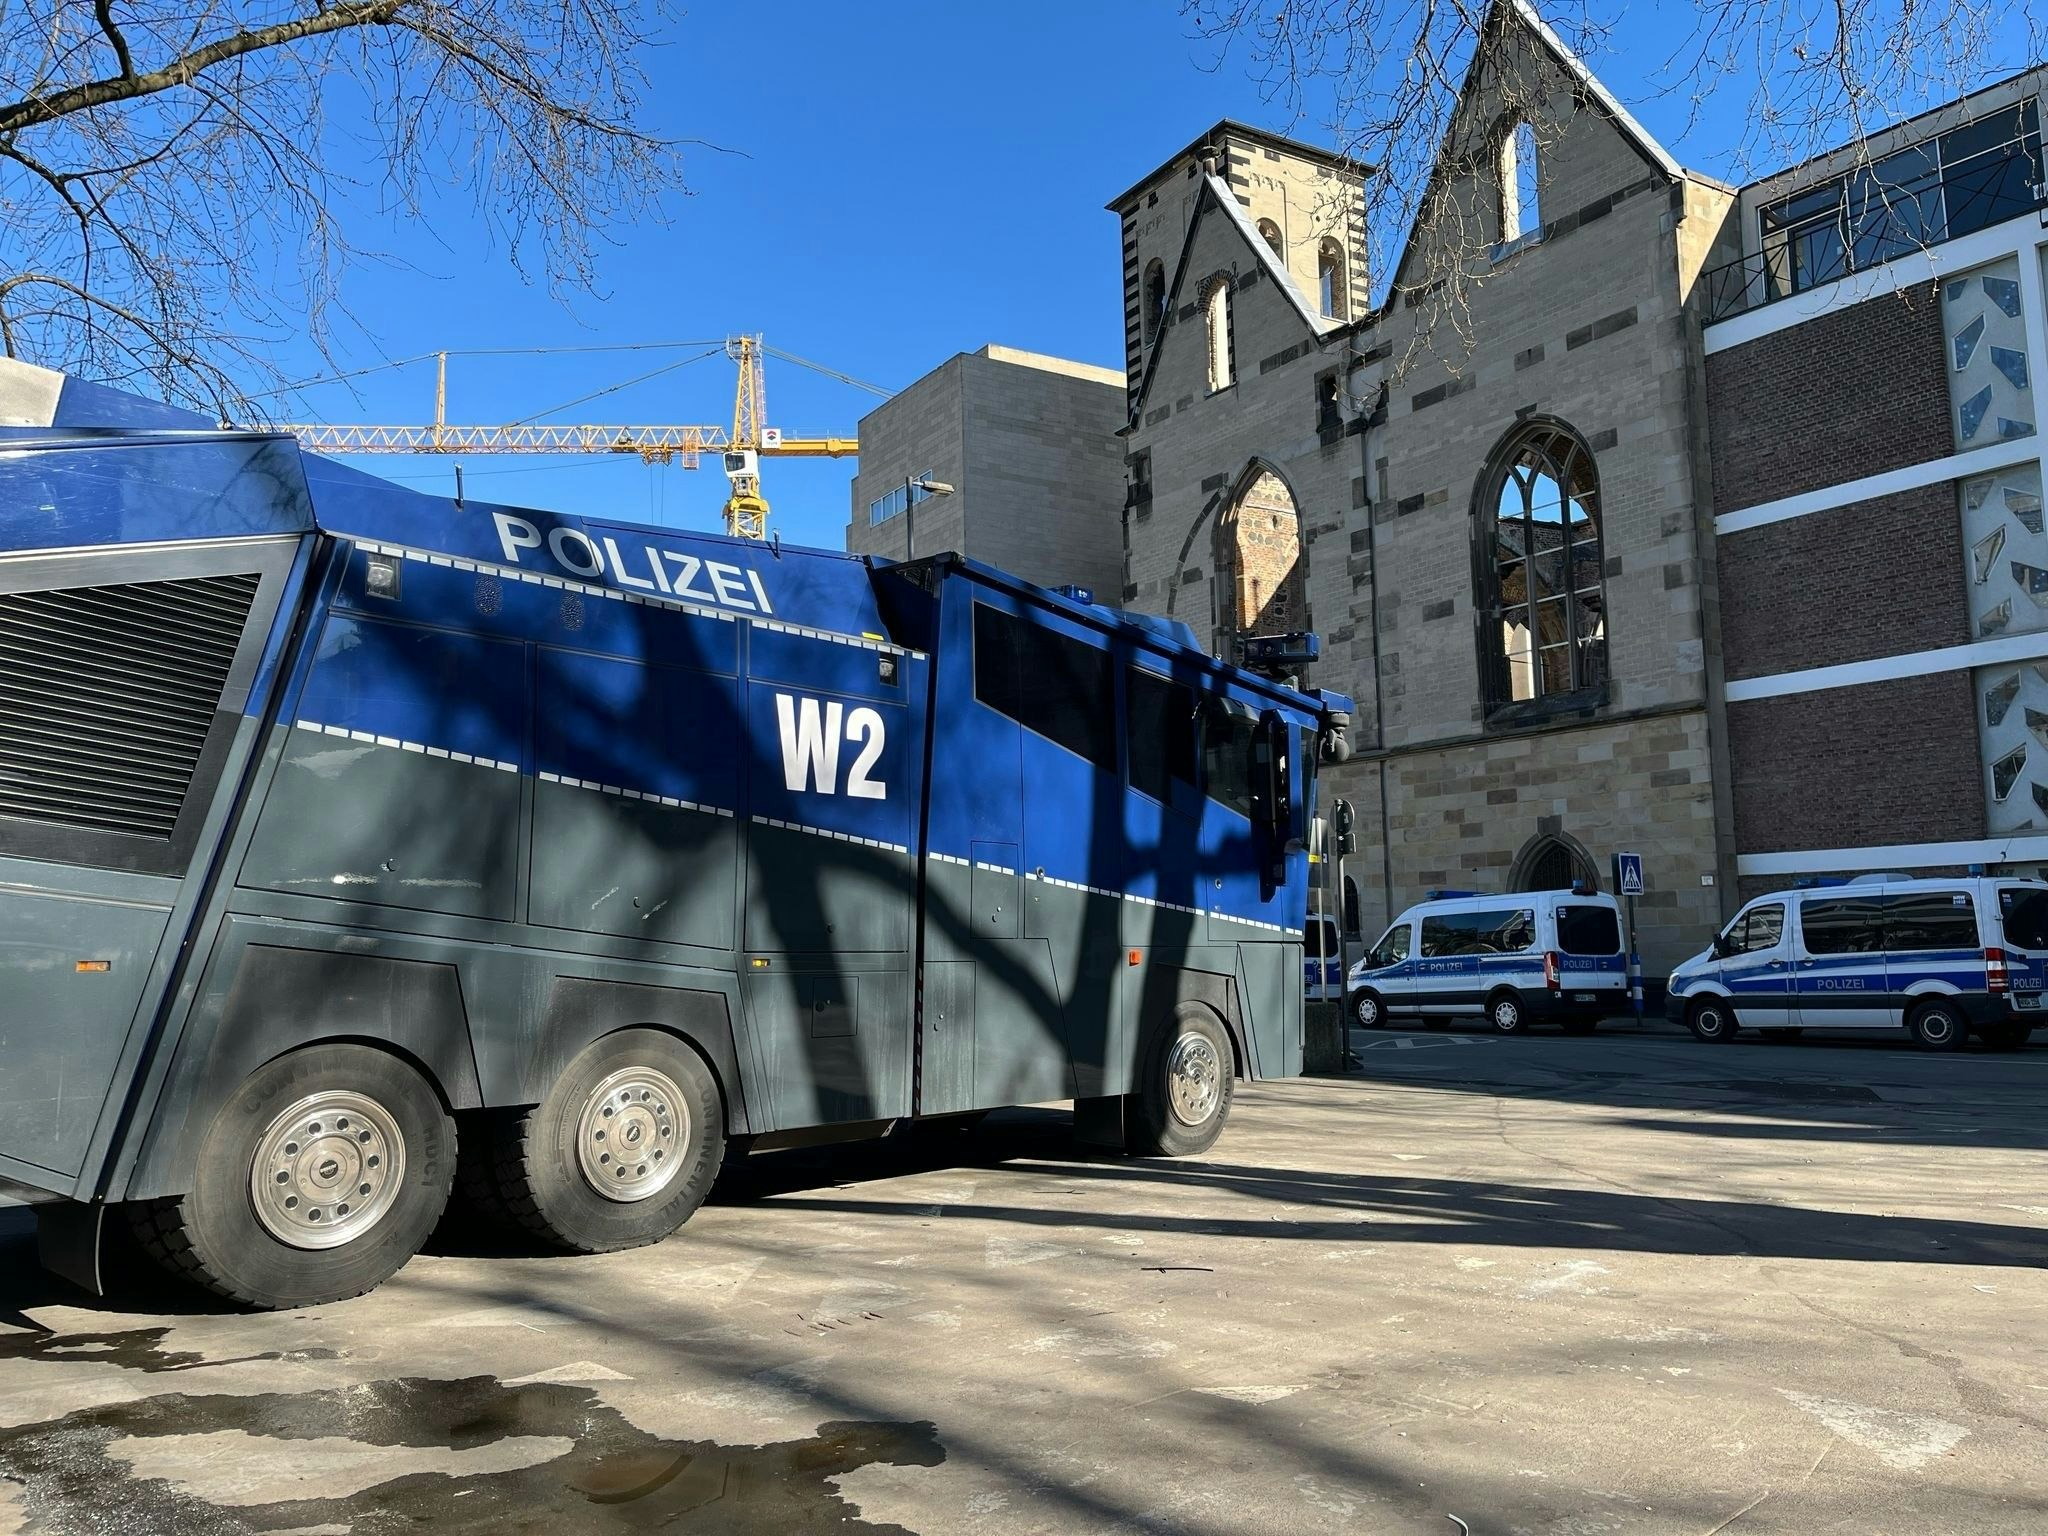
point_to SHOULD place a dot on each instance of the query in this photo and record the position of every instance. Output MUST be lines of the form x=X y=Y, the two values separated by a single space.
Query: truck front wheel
x=321 y=1175
x=1184 y=1089
x=622 y=1150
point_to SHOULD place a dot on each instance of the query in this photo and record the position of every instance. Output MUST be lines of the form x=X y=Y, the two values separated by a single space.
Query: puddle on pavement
x=135 y=1349
x=617 y=1478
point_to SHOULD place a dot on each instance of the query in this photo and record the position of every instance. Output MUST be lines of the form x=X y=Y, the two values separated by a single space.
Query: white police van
x=1941 y=959
x=1322 y=959
x=1510 y=959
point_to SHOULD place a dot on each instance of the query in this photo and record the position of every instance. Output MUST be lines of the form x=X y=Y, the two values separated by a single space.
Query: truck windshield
x=2023 y=913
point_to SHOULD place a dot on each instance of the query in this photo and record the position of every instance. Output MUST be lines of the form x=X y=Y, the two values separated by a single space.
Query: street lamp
x=911 y=486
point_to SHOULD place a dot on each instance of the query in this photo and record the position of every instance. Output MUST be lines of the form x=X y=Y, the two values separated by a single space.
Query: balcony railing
x=1864 y=219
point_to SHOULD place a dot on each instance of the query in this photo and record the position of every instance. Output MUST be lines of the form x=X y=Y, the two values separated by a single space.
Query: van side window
x=1047 y=682
x=1160 y=719
x=1588 y=931
x=1503 y=931
x=1842 y=925
x=1758 y=928
x=1930 y=920
x=2023 y=917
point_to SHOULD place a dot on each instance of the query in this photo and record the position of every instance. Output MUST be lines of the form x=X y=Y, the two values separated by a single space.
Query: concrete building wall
x=1029 y=445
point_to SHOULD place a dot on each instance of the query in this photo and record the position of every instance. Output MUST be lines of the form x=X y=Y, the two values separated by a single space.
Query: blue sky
x=909 y=180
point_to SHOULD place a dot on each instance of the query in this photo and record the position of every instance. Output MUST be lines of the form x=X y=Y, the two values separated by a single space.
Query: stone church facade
x=1502 y=547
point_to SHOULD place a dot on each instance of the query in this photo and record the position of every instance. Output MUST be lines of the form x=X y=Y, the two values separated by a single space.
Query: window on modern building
x=1521 y=209
x=1842 y=925
x=898 y=501
x=1160 y=715
x=1930 y=920
x=1545 y=598
x=1155 y=299
x=1216 y=315
x=1270 y=233
x=1047 y=682
x=1956 y=183
x=1330 y=279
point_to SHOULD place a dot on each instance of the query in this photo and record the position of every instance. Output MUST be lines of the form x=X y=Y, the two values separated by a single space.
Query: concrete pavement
x=1554 y=1286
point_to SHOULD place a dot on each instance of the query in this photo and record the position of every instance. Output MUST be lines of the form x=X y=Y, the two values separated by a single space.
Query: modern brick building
x=1028 y=444
x=1709 y=527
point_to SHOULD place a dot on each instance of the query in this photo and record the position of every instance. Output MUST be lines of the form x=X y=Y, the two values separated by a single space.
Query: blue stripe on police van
x=371 y=739
x=594 y=589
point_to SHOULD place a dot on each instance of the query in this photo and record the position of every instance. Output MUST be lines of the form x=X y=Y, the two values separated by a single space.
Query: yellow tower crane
x=742 y=448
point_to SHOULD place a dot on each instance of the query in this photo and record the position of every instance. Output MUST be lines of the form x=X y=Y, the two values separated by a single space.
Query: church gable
x=1230 y=303
x=1536 y=145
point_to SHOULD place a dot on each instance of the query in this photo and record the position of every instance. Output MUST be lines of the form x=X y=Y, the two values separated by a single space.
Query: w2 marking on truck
x=812 y=731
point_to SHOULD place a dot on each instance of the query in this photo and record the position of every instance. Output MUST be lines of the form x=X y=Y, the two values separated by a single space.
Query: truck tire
x=622 y=1150
x=1185 y=1087
x=321 y=1175
x=1938 y=1025
x=1367 y=1009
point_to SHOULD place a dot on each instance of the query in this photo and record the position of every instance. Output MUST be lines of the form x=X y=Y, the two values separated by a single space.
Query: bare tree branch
x=171 y=221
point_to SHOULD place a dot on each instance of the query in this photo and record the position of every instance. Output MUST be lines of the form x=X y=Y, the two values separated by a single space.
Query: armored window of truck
x=1160 y=715
x=1227 y=756
x=1047 y=682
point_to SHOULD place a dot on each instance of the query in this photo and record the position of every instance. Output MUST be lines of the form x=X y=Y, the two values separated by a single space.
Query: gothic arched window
x=1521 y=211
x=1544 y=634
x=1270 y=233
x=1330 y=278
x=1216 y=315
x=1155 y=299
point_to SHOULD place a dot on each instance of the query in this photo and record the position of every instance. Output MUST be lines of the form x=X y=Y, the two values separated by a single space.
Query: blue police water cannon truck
x=358 y=846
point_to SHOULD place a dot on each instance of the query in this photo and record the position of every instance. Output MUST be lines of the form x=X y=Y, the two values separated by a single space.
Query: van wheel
x=622 y=1150
x=1367 y=1011
x=319 y=1178
x=1712 y=1020
x=1939 y=1026
x=1185 y=1089
x=2006 y=1037
x=1505 y=1013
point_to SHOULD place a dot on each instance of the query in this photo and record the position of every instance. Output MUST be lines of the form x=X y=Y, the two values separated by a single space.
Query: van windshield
x=1588 y=931
x=2023 y=914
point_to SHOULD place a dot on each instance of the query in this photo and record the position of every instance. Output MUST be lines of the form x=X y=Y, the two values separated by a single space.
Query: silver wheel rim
x=327 y=1170
x=1194 y=1079
x=1368 y=1012
x=1710 y=1021
x=1937 y=1026
x=1504 y=1015
x=631 y=1135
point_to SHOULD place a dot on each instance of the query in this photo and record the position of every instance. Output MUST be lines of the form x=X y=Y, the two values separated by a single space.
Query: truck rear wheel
x=1185 y=1087
x=321 y=1175
x=622 y=1150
